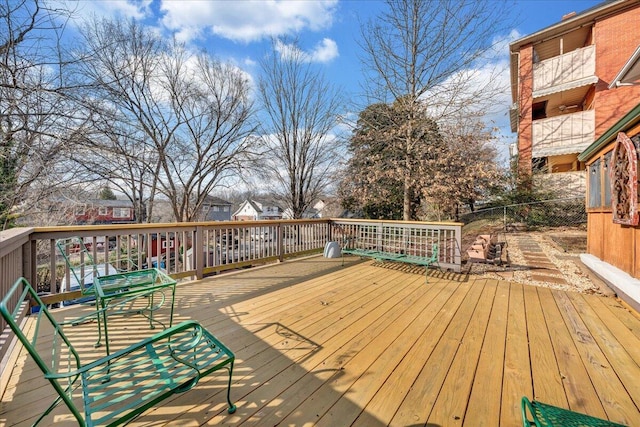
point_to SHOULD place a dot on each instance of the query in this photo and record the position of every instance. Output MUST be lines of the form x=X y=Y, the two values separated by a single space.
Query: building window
x=225 y=208
x=121 y=212
x=216 y=208
x=102 y=211
x=606 y=177
x=539 y=110
x=595 y=184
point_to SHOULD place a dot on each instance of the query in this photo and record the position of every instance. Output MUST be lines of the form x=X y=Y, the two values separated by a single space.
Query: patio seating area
x=370 y=344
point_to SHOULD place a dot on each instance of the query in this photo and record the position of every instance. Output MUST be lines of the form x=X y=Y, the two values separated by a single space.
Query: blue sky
x=327 y=30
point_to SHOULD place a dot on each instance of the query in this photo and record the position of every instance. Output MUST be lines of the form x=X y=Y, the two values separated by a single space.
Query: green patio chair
x=545 y=415
x=119 y=387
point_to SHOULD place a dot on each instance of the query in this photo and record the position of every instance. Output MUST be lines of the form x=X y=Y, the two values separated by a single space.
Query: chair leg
x=232 y=407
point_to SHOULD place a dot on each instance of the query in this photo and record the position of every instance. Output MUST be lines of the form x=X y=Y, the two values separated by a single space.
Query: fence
x=569 y=212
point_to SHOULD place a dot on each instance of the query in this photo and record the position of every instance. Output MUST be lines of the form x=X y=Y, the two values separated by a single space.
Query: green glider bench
x=545 y=415
x=118 y=387
x=424 y=261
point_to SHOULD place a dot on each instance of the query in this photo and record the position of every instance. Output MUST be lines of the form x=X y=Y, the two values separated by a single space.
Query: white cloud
x=248 y=62
x=247 y=20
x=136 y=9
x=325 y=51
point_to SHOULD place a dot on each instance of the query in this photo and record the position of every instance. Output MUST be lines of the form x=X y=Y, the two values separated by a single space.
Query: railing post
x=52 y=267
x=279 y=244
x=504 y=218
x=29 y=256
x=458 y=252
x=198 y=252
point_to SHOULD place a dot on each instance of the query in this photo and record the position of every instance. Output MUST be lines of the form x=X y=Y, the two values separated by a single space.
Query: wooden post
x=198 y=255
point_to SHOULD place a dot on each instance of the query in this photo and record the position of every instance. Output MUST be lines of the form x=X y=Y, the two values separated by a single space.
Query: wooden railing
x=32 y=253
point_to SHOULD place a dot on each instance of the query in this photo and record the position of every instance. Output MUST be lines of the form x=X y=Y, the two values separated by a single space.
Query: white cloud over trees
x=246 y=21
x=325 y=51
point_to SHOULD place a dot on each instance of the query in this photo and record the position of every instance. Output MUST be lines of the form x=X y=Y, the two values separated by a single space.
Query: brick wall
x=616 y=38
x=526 y=99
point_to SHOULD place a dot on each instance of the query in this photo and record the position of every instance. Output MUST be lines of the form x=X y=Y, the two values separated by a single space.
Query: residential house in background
x=613 y=223
x=251 y=210
x=216 y=209
x=560 y=88
x=315 y=211
x=97 y=211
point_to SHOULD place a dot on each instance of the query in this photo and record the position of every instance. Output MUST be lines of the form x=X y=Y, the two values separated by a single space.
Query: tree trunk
x=406 y=214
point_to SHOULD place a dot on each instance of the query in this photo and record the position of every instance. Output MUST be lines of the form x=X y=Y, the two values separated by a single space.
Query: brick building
x=560 y=87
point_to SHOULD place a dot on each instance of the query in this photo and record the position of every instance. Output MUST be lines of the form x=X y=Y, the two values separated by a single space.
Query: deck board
x=612 y=356
x=451 y=402
x=485 y=397
x=579 y=390
x=372 y=344
x=419 y=401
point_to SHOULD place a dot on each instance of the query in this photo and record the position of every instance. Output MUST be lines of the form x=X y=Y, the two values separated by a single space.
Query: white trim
x=627 y=287
x=630 y=70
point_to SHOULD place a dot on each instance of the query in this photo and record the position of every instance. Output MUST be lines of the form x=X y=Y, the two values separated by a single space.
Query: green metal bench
x=424 y=261
x=119 y=387
x=545 y=415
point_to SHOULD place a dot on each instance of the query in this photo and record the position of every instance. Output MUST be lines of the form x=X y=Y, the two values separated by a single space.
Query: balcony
x=364 y=344
x=565 y=134
x=560 y=73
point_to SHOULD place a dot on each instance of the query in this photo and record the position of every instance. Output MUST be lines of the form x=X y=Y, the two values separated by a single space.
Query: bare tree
x=117 y=154
x=301 y=110
x=423 y=53
x=36 y=114
x=190 y=114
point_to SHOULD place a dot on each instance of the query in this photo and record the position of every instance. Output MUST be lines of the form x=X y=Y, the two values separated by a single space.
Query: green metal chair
x=545 y=415
x=119 y=387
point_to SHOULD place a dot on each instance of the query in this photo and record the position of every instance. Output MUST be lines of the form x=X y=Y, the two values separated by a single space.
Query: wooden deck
x=370 y=344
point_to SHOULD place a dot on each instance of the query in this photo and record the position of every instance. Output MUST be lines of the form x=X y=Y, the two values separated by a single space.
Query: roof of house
x=109 y=203
x=628 y=120
x=259 y=207
x=212 y=200
x=255 y=205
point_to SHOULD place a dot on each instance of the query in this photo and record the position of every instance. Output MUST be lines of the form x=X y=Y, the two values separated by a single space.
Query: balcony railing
x=566 y=134
x=32 y=253
x=574 y=69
